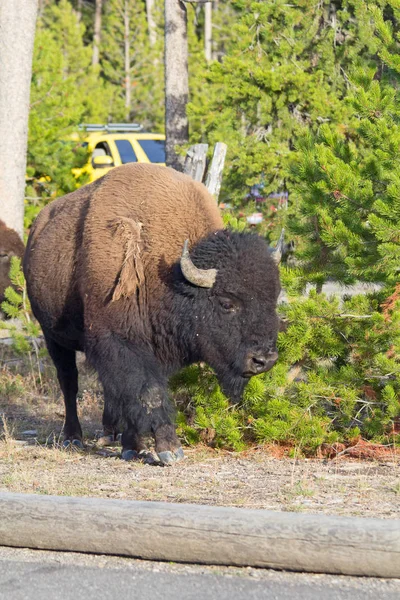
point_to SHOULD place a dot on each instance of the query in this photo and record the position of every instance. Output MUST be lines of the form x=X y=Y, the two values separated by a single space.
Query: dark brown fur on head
x=10 y=245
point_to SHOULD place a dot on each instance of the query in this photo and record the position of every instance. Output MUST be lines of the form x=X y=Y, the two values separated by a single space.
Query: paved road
x=28 y=574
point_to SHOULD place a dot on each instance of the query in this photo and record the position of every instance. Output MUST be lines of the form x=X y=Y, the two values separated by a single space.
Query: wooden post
x=214 y=174
x=195 y=161
x=202 y=534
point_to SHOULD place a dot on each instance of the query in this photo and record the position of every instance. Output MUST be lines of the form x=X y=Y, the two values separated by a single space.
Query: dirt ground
x=32 y=462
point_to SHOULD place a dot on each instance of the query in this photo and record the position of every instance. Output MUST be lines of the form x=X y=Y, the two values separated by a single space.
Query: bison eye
x=227 y=305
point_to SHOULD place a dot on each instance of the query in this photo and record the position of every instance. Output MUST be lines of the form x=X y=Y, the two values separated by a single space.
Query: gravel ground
x=254 y=479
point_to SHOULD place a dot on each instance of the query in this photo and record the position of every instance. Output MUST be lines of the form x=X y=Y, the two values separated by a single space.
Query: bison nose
x=259 y=362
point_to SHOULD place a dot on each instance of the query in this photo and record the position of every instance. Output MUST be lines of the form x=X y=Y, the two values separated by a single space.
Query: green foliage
x=347 y=212
x=289 y=68
x=65 y=91
x=132 y=65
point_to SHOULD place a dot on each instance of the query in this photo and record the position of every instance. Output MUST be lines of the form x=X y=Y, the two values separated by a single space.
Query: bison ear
x=131 y=275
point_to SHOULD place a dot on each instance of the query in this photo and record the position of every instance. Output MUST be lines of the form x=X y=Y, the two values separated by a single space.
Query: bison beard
x=139 y=311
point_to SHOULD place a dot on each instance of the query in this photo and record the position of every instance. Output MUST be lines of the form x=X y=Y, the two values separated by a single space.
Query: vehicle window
x=126 y=151
x=155 y=150
x=102 y=149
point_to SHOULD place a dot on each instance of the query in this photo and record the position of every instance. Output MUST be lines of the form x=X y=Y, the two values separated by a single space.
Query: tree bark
x=17 y=27
x=176 y=81
x=151 y=24
x=41 y=7
x=208 y=31
x=97 y=33
x=127 y=49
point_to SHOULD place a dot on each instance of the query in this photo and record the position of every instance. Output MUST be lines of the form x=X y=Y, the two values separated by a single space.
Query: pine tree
x=288 y=68
x=65 y=91
x=348 y=182
x=132 y=64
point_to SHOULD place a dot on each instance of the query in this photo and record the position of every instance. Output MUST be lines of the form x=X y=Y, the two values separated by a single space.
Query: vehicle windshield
x=154 y=149
x=126 y=151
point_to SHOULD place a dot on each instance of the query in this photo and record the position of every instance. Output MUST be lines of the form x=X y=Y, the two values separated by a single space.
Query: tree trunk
x=215 y=8
x=208 y=31
x=41 y=7
x=151 y=24
x=176 y=81
x=17 y=26
x=97 y=33
x=127 y=35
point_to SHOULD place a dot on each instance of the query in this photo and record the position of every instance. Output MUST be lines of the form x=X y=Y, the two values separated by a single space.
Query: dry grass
x=34 y=463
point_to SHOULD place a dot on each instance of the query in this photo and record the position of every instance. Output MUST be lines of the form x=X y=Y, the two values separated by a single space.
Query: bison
x=137 y=270
x=10 y=245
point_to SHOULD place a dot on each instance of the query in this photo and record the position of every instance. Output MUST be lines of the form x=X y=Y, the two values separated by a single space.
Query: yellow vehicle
x=116 y=144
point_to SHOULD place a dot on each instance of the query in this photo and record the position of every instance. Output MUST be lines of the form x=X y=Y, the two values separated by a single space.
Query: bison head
x=231 y=285
x=10 y=245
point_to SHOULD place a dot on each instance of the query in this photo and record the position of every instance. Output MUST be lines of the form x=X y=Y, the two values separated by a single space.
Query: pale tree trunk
x=176 y=81
x=17 y=33
x=208 y=31
x=97 y=33
x=151 y=24
x=41 y=7
x=214 y=53
x=127 y=52
x=79 y=9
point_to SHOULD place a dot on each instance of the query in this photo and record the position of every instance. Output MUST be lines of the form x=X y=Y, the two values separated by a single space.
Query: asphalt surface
x=27 y=574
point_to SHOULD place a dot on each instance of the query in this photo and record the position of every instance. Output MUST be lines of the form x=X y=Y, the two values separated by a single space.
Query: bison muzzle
x=137 y=271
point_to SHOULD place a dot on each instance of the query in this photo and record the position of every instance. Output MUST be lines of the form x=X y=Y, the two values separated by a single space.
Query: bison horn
x=278 y=250
x=200 y=277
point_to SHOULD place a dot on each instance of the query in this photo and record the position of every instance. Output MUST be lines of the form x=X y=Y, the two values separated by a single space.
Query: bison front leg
x=152 y=415
x=111 y=431
x=135 y=395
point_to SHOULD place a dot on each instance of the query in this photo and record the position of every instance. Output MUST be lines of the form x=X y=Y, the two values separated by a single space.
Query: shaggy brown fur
x=91 y=244
x=10 y=245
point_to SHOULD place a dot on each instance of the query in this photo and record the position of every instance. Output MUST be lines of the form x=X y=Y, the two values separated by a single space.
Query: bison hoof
x=129 y=455
x=106 y=440
x=147 y=458
x=74 y=444
x=167 y=457
x=179 y=453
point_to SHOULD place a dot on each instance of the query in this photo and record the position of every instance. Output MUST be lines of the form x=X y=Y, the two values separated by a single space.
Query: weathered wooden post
x=195 y=161
x=214 y=174
x=195 y=165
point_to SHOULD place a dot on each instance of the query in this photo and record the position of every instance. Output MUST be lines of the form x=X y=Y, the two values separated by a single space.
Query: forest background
x=305 y=95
